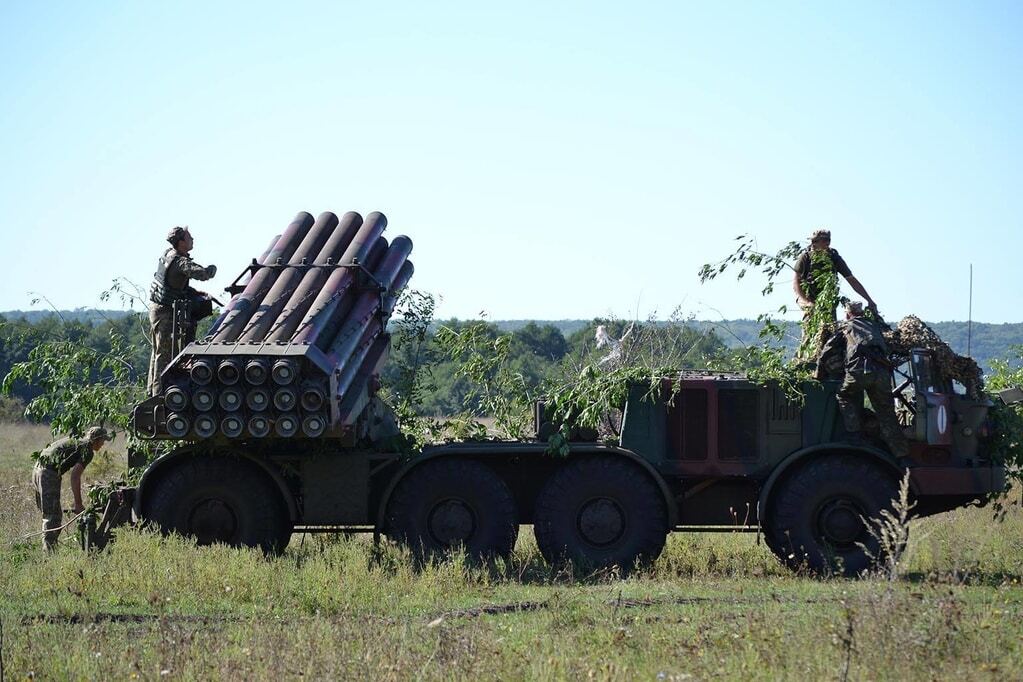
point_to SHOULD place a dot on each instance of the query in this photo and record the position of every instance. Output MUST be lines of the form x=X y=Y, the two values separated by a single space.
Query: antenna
x=969 y=324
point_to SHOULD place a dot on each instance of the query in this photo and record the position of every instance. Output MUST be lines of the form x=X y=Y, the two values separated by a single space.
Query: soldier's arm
x=859 y=289
x=195 y=271
x=76 y=487
x=797 y=288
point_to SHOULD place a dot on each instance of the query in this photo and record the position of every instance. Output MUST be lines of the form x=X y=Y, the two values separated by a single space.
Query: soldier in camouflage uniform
x=59 y=457
x=170 y=286
x=803 y=284
x=859 y=341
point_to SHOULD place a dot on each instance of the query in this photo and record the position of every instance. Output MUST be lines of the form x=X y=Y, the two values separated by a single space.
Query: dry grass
x=712 y=606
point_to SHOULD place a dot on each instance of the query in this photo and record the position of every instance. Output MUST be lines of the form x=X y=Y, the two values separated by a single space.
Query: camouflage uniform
x=867 y=370
x=806 y=272
x=57 y=459
x=170 y=285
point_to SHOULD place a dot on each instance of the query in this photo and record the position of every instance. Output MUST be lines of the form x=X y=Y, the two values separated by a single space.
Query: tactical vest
x=161 y=291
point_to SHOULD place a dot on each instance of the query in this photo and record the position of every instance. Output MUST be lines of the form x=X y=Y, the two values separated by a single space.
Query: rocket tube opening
x=312 y=397
x=176 y=398
x=202 y=372
x=314 y=425
x=259 y=425
x=205 y=425
x=284 y=372
x=230 y=399
x=177 y=425
x=285 y=399
x=232 y=425
x=256 y=372
x=287 y=425
x=258 y=399
x=230 y=371
x=204 y=398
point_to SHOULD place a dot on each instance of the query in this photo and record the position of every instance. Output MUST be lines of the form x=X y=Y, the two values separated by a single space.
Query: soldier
x=803 y=283
x=859 y=340
x=170 y=286
x=59 y=457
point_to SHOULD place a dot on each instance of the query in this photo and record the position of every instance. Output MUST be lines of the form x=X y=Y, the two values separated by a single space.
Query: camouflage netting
x=912 y=332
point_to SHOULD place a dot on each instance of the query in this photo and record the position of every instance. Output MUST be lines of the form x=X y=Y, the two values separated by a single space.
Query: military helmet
x=821 y=233
x=95 y=433
x=176 y=234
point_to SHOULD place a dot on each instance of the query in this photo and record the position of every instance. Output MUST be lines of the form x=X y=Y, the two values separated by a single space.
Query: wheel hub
x=452 y=522
x=601 y=522
x=213 y=521
x=840 y=522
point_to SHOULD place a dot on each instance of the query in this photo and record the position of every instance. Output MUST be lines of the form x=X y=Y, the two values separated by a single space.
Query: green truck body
x=699 y=452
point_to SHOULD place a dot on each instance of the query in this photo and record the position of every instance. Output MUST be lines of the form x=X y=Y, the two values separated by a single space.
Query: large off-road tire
x=599 y=512
x=220 y=500
x=816 y=515
x=453 y=504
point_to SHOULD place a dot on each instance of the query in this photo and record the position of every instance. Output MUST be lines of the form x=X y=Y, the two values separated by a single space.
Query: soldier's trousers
x=46 y=483
x=161 y=325
x=878 y=387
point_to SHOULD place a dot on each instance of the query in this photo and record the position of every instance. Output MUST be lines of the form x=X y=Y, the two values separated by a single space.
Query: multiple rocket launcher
x=294 y=351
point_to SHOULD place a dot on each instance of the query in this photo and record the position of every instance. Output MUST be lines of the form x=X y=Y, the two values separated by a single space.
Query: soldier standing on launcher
x=803 y=282
x=170 y=286
x=59 y=457
x=867 y=370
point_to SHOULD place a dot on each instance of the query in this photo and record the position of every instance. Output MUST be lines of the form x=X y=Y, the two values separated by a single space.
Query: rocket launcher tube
x=369 y=303
x=312 y=280
x=314 y=425
x=259 y=425
x=354 y=363
x=287 y=425
x=327 y=302
x=394 y=292
x=244 y=304
x=284 y=372
x=230 y=371
x=232 y=425
x=373 y=330
x=205 y=425
x=177 y=424
x=202 y=371
x=348 y=296
x=244 y=280
x=353 y=403
x=258 y=399
x=204 y=398
x=257 y=371
x=277 y=297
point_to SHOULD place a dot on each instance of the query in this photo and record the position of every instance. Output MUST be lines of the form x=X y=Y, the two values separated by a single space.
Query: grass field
x=334 y=607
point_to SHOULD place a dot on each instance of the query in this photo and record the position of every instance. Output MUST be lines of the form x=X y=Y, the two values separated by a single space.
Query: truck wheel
x=599 y=512
x=220 y=500
x=816 y=516
x=450 y=504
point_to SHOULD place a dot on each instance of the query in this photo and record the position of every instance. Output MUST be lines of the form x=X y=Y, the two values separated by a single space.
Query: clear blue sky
x=549 y=160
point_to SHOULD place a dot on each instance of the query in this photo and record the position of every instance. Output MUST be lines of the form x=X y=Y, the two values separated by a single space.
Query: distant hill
x=76 y=315
x=990 y=341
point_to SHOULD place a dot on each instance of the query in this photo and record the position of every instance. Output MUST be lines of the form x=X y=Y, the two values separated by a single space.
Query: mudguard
x=163 y=462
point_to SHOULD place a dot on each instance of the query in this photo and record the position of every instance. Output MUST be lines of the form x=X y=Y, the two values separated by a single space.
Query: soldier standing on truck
x=170 y=291
x=859 y=342
x=803 y=282
x=59 y=457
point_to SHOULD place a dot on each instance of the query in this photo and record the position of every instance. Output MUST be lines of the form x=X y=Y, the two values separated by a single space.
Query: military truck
x=697 y=452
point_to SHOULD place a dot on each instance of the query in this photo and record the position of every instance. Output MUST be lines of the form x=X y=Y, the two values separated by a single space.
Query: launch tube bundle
x=293 y=352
